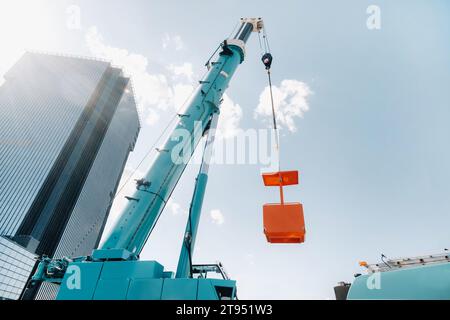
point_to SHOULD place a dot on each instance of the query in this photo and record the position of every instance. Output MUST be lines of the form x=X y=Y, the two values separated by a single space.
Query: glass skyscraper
x=67 y=126
x=16 y=264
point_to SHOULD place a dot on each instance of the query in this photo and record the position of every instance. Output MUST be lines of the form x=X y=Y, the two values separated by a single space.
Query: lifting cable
x=267 y=60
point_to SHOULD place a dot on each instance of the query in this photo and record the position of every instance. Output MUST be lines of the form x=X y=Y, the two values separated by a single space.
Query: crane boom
x=138 y=219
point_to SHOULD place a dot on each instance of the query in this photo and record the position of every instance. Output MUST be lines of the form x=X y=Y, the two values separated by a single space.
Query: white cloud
x=154 y=93
x=229 y=119
x=175 y=208
x=172 y=41
x=151 y=117
x=181 y=94
x=184 y=70
x=290 y=100
x=217 y=217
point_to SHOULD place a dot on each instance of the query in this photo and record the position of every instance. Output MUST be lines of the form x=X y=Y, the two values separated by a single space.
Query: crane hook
x=267 y=60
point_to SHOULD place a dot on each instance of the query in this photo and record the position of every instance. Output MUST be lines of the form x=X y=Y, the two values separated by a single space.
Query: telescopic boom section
x=139 y=217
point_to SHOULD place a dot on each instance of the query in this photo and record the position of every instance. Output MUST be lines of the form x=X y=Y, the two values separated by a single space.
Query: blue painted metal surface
x=116 y=254
x=417 y=283
x=183 y=269
x=135 y=280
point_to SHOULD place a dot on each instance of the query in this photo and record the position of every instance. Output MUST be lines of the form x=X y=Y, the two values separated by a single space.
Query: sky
x=364 y=115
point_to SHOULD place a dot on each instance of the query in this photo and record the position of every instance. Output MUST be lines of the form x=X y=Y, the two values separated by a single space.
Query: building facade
x=16 y=264
x=67 y=126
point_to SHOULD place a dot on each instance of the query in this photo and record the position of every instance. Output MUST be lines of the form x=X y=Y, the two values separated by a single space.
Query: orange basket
x=283 y=222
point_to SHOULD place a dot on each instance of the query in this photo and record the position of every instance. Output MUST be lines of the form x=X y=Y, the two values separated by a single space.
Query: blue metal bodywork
x=135 y=280
x=192 y=225
x=417 y=283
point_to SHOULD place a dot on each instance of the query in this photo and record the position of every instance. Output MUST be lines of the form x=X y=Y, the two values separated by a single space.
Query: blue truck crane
x=114 y=270
x=411 y=278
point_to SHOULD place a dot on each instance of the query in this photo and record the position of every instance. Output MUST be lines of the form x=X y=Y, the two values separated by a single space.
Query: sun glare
x=24 y=25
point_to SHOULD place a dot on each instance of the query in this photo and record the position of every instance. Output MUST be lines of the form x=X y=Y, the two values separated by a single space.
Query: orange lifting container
x=283 y=222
